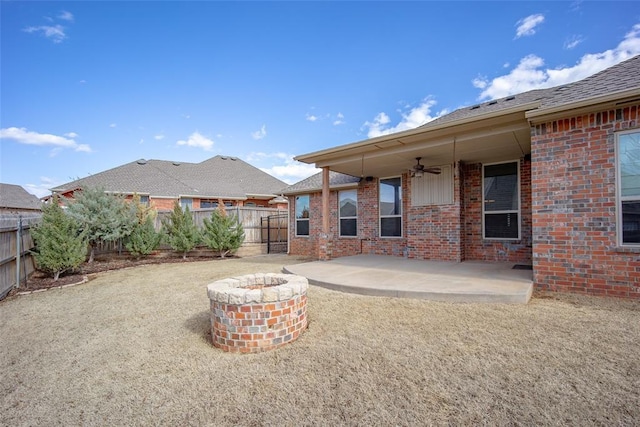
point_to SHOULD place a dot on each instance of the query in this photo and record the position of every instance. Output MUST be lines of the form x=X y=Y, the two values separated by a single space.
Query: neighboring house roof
x=16 y=197
x=217 y=177
x=314 y=183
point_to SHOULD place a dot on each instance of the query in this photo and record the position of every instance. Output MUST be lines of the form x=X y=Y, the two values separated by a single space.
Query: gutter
x=308 y=158
x=318 y=189
x=613 y=98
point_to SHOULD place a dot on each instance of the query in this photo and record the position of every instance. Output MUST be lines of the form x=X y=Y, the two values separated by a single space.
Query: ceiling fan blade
x=435 y=171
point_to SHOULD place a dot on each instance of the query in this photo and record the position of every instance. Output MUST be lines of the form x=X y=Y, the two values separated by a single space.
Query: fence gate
x=275 y=232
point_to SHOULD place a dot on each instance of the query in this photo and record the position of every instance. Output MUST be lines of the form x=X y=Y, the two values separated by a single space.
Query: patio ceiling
x=495 y=139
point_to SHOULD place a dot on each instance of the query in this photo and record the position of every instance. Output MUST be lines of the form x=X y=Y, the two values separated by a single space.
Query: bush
x=222 y=233
x=60 y=245
x=182 y=234
x=102 y=216
x=144 y=239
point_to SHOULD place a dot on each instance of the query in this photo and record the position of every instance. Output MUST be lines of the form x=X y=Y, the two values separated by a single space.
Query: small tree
x=60 y=245
x=144 y=238
x=222 y=233
x=103 y=217
x=182 y=234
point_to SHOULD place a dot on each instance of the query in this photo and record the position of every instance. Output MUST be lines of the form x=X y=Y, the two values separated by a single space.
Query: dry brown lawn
x=132 y=348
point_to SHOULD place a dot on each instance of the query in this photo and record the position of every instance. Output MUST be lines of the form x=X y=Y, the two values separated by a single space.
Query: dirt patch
x=132 y=347
x=41 y=280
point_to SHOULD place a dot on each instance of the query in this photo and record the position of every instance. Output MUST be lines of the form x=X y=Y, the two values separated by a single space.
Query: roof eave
x=362 y=146
x=583 y=104
x=318 y=189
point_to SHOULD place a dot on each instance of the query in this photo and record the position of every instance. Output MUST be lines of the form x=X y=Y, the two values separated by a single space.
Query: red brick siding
x=574 y=206
x=162 y=204
x=475 y=247
x=435 y=232
x=445 y=232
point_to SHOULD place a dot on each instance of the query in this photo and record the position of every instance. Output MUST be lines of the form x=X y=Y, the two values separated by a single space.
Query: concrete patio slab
x=378 y=275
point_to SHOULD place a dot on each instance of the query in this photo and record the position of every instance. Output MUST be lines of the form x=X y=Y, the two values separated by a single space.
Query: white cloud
x=54 y=32
x=531 y=74
x=527 y=26
x=311 y=117
x=198 y=141
x=66 y=16
x=411 y=119
x=41 y=189
x=572 y=42
x=259 y=134
x=24 y=136
x=113 y=125
x=282 y=166
x=339 y=120
x=158 y=137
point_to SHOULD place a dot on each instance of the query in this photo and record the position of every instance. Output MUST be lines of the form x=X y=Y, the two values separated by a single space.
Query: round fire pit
x=257 y=312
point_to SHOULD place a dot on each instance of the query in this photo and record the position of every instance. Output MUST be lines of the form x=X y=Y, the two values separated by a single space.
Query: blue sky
x=88 y=86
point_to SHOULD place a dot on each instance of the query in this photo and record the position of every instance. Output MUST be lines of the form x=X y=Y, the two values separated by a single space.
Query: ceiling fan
x=418 y=170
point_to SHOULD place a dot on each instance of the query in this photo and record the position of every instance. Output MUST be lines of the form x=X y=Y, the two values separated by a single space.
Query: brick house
x=548 y=178
x=218 y=180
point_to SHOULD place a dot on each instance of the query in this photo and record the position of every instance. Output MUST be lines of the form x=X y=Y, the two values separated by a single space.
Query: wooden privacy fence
x=251 y=219
x=16 y=261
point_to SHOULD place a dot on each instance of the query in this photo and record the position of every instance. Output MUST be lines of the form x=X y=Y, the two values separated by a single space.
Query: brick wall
x=439 y=232
x=574 y=206
x=162 y=204
x=435 y=232
x=475 y=248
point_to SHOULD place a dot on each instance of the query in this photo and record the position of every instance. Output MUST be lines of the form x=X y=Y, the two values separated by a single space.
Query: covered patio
x=379 y=275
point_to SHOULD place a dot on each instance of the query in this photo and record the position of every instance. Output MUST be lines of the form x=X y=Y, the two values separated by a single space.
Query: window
x=208 y=203
x=628 y=150
x=501 y=201
x=302 y=215
x=348 y=212
x=186 y=202
x=391 y=207
x=144 y=200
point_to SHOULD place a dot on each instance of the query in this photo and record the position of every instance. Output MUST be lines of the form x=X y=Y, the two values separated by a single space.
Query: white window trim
x=340 y=218
x=619 y=197
x=189 y=204
x=518 y=211
x=296 y=219
x=391 y=216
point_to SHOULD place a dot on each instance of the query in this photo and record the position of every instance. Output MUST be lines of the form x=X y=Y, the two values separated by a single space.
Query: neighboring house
x=15 y=199
x=548 y=178
x=220 y=179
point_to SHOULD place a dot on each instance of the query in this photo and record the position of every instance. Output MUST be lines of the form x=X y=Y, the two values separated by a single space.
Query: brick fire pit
x=257 y=312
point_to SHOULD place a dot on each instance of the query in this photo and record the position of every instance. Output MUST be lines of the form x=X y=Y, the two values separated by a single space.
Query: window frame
x=619 y=197
x=380 y=216
x=186 y=201
x=295 y=215
x=517 y=211
x=340 y=217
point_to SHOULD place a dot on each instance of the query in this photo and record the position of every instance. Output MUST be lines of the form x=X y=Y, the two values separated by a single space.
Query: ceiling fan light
x=417 y=174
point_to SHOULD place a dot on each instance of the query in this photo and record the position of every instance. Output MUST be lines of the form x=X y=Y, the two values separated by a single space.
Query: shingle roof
x=219 y=176
x=314 y=182
x=15 y=197
x=622 y=76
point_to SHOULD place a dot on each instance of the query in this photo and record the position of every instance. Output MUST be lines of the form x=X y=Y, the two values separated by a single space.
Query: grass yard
x=132 y=347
